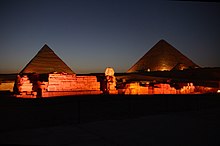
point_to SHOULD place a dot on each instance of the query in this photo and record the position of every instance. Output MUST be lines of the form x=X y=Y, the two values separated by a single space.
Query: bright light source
x=164 y=69
x=218 y=91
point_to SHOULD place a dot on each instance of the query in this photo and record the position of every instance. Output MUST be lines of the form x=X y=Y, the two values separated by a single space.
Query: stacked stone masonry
x=59 y=82
x=7 y=86
x=61 y=85
x=136 y=89
x=26 y=85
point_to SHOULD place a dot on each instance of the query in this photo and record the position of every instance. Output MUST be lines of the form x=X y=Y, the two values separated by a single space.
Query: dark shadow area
x=45 y=112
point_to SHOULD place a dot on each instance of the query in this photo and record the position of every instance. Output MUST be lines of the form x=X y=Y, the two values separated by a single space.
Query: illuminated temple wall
x=59 y=82
x=71 y=84
x=7 y=86
x=61 y=85
x=189 y=88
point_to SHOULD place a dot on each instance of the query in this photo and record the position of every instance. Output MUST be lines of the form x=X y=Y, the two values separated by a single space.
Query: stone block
x=8 y=86
x=113 y=91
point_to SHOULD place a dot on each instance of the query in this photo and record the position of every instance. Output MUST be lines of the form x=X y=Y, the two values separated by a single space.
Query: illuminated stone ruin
x=160 y=88
x=58 y=84
x=7 y=86
x=111 y=81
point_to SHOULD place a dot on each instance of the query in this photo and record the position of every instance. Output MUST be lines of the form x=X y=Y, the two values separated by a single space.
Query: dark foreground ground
x=153 y=120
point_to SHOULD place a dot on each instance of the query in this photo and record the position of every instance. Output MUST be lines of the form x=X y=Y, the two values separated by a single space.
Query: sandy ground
x=185 y=128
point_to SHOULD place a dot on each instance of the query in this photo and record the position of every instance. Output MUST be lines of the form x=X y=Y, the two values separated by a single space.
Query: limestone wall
x=7 y=86
x=87 y=83
x=26 y=85
x=70 y=93
x=136 y=89
x=60 y=82
x=59 y=85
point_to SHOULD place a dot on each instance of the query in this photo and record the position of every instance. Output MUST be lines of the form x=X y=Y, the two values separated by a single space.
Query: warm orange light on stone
x=59 y=84
x=164 y=69
x=111 y=81
x=136 y=89
x=109 y=71
x=7 y=86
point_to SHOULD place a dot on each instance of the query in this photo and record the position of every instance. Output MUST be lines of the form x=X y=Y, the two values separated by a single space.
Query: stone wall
x=7 y=86
x=26 y=85
x=87 y=83
x=60 y=82
x=136 y=89
x=60 y=85
x=70 y=93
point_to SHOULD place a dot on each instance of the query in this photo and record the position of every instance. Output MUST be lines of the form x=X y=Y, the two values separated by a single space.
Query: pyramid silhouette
x=162 y=56
x=46 y=61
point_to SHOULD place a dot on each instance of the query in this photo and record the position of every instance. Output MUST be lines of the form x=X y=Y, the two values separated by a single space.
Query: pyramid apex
x=162 y=41
x=45 y=45
x=163 y=44
x=45 y=48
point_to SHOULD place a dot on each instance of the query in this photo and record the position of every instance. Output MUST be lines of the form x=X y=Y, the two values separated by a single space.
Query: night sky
x=90 y=35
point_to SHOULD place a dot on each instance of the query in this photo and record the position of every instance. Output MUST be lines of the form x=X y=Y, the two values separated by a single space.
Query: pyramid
x=162 y=56
x=46 y=61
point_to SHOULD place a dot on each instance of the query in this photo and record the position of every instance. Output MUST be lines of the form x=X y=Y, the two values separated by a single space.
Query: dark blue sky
x=90 y=35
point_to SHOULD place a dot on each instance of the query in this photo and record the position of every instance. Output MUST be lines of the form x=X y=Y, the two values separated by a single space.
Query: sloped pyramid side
x=160 y=57
x=46 y=61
